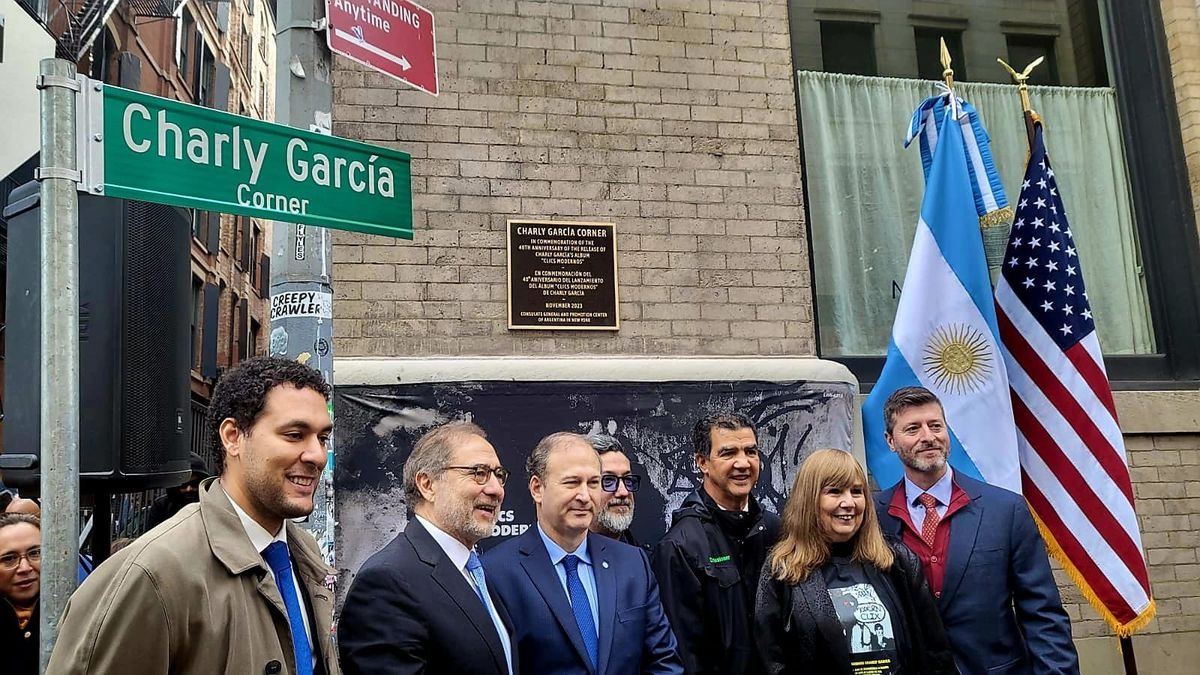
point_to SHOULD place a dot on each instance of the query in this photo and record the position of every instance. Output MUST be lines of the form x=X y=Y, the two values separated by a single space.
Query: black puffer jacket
x=707 y=579
x=798 y=630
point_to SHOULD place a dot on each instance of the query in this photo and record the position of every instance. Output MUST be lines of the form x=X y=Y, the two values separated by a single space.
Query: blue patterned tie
x=277 y=557
x=475 y=569
x=582 y=609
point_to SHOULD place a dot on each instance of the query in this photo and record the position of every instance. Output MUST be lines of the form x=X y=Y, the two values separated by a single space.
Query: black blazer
x=410 y=610
x=798 y=632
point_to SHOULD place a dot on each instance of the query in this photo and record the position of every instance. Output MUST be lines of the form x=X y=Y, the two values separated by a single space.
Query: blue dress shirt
x=586 y=575
x=942 y=491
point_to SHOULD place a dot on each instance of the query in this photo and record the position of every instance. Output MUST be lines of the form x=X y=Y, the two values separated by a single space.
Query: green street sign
x=164 y=151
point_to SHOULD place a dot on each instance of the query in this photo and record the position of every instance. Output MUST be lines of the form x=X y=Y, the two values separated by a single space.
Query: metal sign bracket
x=89 y=135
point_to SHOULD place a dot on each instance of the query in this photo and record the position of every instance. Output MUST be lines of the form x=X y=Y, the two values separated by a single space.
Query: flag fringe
x=997 y=218
x=1121 y=629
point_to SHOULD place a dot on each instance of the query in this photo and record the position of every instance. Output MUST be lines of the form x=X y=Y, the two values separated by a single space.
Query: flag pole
x=1031 y=119
x=947 y=71
x=1022 y=80
x=995 y=225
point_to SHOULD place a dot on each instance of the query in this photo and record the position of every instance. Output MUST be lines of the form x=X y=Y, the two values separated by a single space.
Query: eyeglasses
x=11 y=561
x=609 y=482
x=480 y=473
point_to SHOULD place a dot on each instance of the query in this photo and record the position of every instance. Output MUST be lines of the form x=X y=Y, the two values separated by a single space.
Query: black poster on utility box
x=562 y=275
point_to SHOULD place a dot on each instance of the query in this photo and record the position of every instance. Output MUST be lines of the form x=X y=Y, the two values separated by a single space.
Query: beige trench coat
x=192 y=596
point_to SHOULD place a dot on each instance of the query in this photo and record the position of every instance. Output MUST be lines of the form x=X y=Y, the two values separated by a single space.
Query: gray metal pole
x=60 y=346
x=302 y=257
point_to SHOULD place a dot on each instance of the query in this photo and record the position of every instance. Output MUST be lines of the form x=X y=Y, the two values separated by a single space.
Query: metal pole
x=59 y=468
x=302 y=256
x=1127 y=656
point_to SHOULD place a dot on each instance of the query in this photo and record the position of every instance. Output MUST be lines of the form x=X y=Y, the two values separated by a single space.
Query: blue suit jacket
x=634 y=634
x=999 y=602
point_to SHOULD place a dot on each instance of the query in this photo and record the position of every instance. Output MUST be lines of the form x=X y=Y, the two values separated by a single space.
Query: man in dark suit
x=983 y=556
x=423 y=604
x=581 y=602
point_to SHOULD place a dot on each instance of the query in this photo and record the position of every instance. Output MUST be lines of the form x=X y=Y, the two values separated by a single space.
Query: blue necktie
x=475 y=569
x=277 y=557
x=582 y=609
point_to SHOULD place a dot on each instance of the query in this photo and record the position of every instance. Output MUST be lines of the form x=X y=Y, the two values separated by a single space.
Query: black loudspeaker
x=134 y=343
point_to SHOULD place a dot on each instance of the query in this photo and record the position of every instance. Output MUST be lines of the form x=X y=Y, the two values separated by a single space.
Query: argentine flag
x=945 y=336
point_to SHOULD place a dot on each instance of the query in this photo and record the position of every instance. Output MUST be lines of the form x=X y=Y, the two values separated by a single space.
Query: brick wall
x=675 y=120
x=1181 y=19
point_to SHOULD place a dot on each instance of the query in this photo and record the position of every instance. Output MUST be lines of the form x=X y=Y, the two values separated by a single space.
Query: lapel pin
x=604 y=564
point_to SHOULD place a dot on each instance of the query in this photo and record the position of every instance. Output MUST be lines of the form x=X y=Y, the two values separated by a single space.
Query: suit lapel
x=606 y=595
x=964 y=528
x=535 y=560
x=452 y=582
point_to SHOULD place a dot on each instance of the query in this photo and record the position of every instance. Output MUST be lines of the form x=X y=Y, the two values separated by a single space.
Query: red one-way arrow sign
x=394 y=37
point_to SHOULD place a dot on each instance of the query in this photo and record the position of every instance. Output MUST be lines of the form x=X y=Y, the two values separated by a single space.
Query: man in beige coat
x=211 y=590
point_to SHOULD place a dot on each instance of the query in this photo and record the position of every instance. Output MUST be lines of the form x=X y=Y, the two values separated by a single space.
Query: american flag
x=1073 y=465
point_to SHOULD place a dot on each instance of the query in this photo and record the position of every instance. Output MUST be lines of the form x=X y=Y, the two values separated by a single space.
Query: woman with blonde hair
x=836 y=597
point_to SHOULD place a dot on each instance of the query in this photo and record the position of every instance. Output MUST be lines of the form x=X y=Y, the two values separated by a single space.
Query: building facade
x=219 y=55
x=705 y=130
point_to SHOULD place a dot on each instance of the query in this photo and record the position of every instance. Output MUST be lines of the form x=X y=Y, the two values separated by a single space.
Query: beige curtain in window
x=865 y=190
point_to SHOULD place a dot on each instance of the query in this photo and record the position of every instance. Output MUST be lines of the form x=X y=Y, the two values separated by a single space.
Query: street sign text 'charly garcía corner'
x=164 y=151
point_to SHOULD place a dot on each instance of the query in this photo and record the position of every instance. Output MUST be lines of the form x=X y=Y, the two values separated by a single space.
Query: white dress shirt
x=458 y=555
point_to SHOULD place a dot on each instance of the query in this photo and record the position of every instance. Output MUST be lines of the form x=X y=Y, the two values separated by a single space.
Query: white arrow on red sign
x=396 y=38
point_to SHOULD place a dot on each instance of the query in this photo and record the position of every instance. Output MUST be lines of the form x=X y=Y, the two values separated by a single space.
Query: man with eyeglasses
x=618 y=483
x=20 y=574
x=423 y=604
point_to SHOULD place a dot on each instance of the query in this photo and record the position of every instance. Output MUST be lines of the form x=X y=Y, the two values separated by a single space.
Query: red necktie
x=929 y=525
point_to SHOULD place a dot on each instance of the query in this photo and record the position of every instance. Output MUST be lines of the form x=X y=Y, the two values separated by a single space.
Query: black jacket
x=798 y=630
x=707 y=580
x=19 y=648
x=410 y=610
x=627 y=537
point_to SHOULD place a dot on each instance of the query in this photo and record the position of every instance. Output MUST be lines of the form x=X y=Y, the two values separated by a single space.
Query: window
x=848 y=47
x=202 y=76
x=240 y=226
x=197 y=319
x=1113 y=139
x=247 y=48
x=104 y=59
x=185 y=44
x=235 y=331
x=254 y=333
x=252 y=252
x=199 y=223
x=929 y=53
x=1025 y=49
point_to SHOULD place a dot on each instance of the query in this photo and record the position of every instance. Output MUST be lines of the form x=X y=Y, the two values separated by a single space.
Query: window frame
x=1138 y=64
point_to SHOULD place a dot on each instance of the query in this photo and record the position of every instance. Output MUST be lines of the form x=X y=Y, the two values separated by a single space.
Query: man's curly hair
x=242 y=392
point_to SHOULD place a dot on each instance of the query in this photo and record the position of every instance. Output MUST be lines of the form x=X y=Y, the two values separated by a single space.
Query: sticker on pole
x=301 y=303
x=395 y=37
